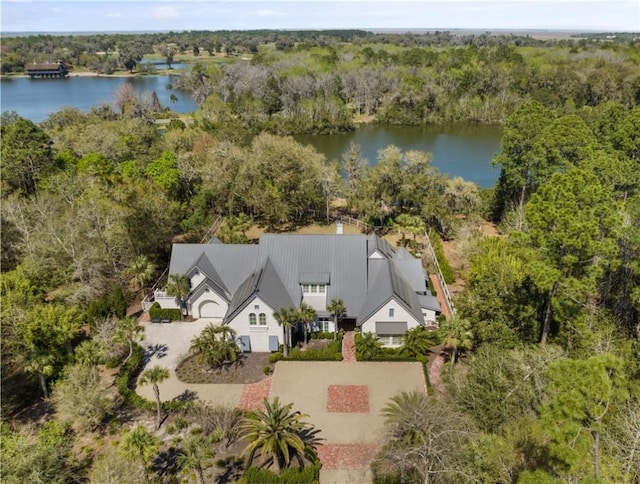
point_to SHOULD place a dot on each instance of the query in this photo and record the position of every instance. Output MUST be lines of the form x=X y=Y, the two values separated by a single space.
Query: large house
x=383 y=289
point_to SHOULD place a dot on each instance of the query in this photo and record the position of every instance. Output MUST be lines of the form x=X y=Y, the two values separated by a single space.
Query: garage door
x=210 y=309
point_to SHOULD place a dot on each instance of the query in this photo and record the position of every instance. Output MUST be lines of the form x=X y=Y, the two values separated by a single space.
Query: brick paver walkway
x=346 y=456
x=440 y=295
x=253 y=395
x=349 y=347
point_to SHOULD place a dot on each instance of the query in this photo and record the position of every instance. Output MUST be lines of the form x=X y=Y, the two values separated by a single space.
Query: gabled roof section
x=384 y=284
x=232 y=262
x=203 y=264
x=211 y=284
x=375 y=243
x=265 y=283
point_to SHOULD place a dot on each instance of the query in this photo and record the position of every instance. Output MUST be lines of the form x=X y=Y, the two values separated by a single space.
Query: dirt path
x=436 y=362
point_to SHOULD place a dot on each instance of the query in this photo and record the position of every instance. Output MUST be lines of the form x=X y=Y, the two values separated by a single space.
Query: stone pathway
x=349 y=347
x=253 y=395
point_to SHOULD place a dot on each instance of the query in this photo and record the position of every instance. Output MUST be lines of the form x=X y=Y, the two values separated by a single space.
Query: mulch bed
x=348 y=399
x=248 y=369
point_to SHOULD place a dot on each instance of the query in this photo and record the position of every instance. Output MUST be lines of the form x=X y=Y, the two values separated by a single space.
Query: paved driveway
x=168 y=343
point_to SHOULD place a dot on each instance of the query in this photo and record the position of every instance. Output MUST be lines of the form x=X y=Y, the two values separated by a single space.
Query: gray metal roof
x=385 y=283
x=265 y=283
x=343 y=256
x=315 y=278
x=412 y=272
x=277 y=266
x=378 y=243
x=211 y=284
x=429 y=302
x=233 y=262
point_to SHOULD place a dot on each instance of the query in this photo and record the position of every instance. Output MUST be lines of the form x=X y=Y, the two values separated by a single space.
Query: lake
x=464 y=151
x=35 y=99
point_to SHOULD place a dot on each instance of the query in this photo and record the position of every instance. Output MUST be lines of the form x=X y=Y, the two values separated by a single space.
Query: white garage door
x=210 y=309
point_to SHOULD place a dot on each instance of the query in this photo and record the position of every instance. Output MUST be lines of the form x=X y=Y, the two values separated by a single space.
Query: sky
x=179 y=15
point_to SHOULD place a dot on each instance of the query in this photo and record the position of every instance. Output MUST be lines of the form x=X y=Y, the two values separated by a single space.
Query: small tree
x=216 y=345
x=40 y=363
x=285 y=318
x=140 y=445
x=141 y=271
x=179 y=287
x=80 y=398
x=128 y=331
x=306 y=315
x=337 y=308
x=457 y=335
x=196 y=455
x=154 y=377
x=419 y=341
x=279 y=436
x=368 y=347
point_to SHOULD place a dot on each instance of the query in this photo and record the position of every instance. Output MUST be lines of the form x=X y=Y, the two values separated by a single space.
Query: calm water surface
x=35 y=99
x=464 y=151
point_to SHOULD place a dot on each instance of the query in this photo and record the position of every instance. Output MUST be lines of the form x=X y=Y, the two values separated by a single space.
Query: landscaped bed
x=248 y=369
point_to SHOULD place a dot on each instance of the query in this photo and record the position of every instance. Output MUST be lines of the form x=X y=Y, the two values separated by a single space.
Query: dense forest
x=544 y=374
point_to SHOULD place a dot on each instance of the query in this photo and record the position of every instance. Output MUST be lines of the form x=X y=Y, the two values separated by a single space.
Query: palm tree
x=306 y=314
x=139 y=444
x=39 y=362
x=279 y=436
x=285 y=318
x=141 y=271
x=178 y=286
x=368 y=347
x=405 y=415
x=89 y=352
x=127 y=331
x=419 y=341
x=457 y=335
x=337 y=308
x=216 y=345
x=196 y=455
x=155 y=376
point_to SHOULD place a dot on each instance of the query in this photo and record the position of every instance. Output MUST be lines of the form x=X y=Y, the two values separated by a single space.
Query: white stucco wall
x=259 y=335
x=429 y=316
x=316 y=301
x=208 y=297
x=400 y=314
x=165 y=301
x=197 y=279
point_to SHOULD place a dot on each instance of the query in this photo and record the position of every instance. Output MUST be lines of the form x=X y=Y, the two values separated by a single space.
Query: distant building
x=47 y=71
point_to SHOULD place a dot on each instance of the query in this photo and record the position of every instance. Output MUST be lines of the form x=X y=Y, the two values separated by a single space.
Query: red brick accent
x=348 y=399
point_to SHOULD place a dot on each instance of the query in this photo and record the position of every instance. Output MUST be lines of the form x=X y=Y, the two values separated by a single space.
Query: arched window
x=263 y=319
x=252 y=319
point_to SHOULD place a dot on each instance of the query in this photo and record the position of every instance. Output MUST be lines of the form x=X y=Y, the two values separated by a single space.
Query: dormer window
x=314 y=289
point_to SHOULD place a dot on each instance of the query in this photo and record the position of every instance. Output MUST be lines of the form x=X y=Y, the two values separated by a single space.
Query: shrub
x=155 y=311
x=275 y=357
x=447 y=272
x=315 y=355
x=293 y=475
x=322 y=335
x=267 y=370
